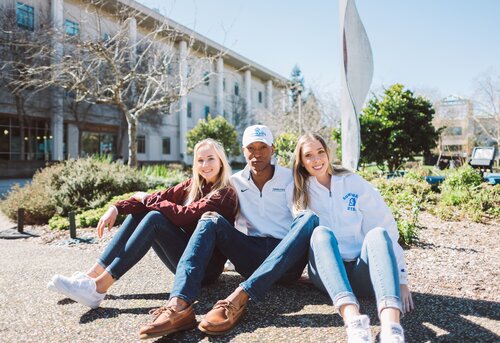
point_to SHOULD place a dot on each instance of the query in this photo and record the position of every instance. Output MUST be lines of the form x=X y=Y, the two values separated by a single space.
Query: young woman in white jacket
x=355 y=250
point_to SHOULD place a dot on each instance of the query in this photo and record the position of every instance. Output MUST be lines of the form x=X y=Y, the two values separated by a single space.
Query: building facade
x=464 y=128
x=49 y=126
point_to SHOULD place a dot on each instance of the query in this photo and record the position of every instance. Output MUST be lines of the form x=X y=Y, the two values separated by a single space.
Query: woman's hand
x=108 y=219
x=406 y=299
x=140 y=196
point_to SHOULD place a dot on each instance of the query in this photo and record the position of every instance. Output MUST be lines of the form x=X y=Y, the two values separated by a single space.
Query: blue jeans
x=140 y=232
x=263 y=260
x=374 y=272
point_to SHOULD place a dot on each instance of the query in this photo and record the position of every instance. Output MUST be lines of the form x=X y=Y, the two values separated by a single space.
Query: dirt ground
x=454 y=276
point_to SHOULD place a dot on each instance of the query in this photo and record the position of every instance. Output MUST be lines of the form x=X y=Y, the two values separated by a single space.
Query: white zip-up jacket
x=266 y=213
x=352 y=207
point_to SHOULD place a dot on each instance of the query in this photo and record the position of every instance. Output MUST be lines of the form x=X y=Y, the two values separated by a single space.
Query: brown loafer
x=222 y=318
x=167 y=321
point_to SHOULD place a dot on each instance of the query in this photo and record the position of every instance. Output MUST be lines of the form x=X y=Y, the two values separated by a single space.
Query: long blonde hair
x=224 y=177
x=300 y=174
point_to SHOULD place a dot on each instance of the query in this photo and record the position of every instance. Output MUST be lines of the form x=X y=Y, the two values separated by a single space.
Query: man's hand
x=107 y=220
x=406 y=299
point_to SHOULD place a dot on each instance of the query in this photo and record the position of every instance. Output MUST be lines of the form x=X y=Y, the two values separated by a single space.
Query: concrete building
x=236 y=88
x=465 y=128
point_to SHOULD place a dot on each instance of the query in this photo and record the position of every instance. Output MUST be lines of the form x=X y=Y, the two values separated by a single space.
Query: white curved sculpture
x=356 y=77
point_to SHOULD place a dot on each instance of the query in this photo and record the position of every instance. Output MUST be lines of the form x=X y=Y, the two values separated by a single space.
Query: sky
x=430 y=46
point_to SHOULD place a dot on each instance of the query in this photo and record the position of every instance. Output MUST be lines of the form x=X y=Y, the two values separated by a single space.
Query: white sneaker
x=358 y=330
x=81 y=289
x=76 y=275
x=392 y=333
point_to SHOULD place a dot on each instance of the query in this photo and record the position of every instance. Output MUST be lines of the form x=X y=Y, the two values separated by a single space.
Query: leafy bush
x=89 y=183
x=407 y=196
x=217 y=128
x=173 y=173
x=90 y=218
x=34 y=197
x=284 y=146
x=465 y=195
x=80 y=185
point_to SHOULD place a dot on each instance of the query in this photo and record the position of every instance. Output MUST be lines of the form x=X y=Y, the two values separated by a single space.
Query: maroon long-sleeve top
x=170 y=203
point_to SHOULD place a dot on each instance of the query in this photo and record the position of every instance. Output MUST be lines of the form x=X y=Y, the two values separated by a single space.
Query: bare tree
x=487 y=108
x=137 y=75
x=309 y=115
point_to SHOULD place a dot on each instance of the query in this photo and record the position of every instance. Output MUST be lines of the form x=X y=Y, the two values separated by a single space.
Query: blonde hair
x=300 y=174
x=224 y=177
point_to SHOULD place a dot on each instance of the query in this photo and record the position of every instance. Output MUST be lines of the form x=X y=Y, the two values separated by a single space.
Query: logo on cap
x=259 y=132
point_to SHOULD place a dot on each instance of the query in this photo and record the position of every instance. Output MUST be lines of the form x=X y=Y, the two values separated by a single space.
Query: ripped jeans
x=374 y=272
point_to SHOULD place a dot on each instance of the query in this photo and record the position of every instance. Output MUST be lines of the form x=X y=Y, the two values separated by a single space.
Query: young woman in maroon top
x=164 y=221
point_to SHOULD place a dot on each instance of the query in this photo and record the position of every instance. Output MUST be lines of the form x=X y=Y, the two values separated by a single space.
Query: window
x=260 y=97
x=224 y=84
x=71 y=28
x=37 y=138
x=206 y=78
x=236 y=89
x=190 y=110
x=25 y=16
x=207 y=111
x=166 y=146
x=452 y=148
x=141 y=144
x=453 y=131
x=99 y=143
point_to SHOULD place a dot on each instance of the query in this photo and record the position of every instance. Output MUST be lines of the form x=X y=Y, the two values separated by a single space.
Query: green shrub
x=89 y=183
x=465 y=195
x=35 y=197
x=370 y=174
x=88 y=218
x=284 y=146
x=407 y=196
x=59 y=223
x=161 y=174
x=81 y=185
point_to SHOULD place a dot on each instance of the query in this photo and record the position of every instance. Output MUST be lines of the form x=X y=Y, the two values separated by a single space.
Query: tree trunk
x=122 y=130
x=132 y=142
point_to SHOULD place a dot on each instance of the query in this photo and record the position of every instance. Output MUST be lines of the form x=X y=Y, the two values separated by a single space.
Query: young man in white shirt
x=265 y=230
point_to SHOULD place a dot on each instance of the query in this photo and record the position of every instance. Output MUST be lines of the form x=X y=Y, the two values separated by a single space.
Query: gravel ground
x=453 y=274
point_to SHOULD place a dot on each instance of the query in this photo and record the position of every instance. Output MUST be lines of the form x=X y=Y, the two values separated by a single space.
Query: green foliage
x=216 y=128
x=337 y=137
x=89 y=183
x=81 y=185
x=284 y=146
x=396 y=127
x=162 y=176
x=297 y=80
x=465 y=195
x=407 y=196
x=88 y=218
x=35 y=197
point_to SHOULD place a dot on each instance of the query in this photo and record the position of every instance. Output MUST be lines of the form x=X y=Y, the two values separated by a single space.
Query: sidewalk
x=456 y=293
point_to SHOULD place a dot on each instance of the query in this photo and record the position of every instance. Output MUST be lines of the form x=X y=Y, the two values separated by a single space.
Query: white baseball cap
x=257 y=133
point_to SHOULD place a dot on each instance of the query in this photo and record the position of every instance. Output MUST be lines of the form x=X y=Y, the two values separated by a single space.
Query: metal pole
x=300 y=111
x=72 y=225
x=20 y=220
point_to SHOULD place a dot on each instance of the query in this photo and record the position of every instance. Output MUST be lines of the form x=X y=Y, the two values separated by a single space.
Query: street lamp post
x=297 y=86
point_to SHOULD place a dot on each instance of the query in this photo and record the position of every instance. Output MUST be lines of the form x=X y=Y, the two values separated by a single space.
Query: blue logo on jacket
x=353 y=198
